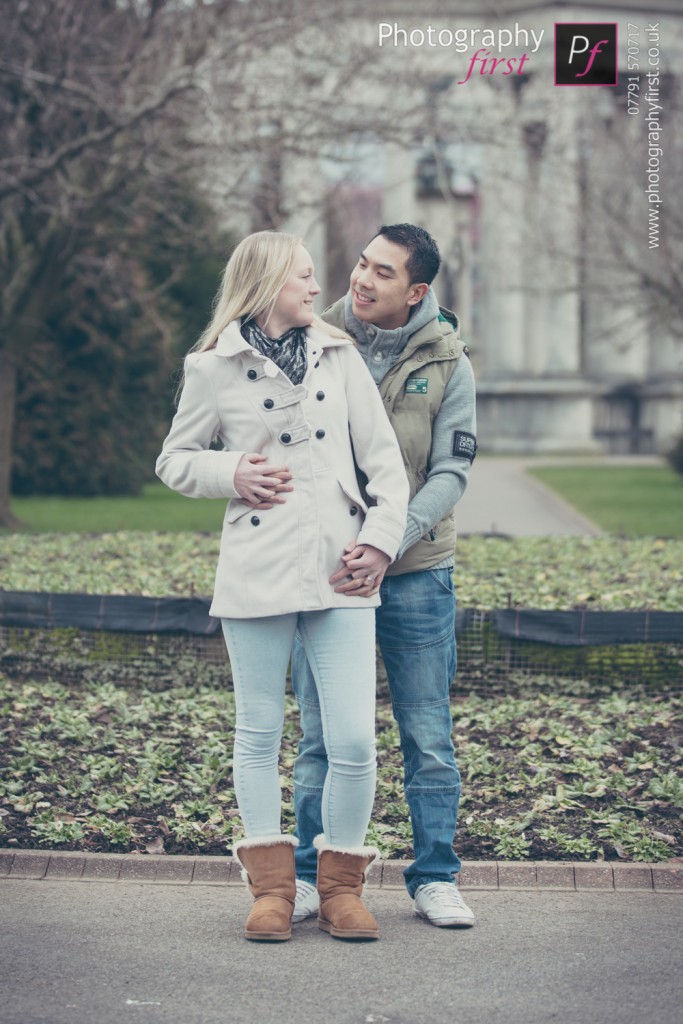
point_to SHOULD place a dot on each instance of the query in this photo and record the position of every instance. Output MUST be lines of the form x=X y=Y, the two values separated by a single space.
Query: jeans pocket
x=444 y=579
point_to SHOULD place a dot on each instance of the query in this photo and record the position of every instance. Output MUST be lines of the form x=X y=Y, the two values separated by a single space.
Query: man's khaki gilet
x=413 y=391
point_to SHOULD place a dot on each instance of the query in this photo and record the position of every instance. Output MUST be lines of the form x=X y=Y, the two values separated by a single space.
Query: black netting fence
x=162 y=642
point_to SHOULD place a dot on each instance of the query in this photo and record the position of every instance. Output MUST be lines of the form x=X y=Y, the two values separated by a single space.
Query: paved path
x=112 y=952
x=503 y=498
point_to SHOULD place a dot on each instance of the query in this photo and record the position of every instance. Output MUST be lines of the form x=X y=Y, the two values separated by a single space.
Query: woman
x=291 y=400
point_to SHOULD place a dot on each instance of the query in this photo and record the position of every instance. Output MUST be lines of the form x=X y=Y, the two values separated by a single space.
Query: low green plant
x=118 y=833
x=545 y=774
x=576 y=846
x=668 y=787
x=108 y=802
x=632 y=840
x=201 y=808
x=506 y=838
x=54 y=828
x=604 y=572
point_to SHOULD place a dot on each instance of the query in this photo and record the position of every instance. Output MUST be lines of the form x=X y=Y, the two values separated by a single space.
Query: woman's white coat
x=279 y=560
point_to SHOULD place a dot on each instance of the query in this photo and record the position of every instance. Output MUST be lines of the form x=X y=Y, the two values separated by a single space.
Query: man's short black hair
x=424 y=258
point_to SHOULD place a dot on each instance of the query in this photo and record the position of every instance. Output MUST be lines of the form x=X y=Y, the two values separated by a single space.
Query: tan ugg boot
x=268 y=869
x=341 y=873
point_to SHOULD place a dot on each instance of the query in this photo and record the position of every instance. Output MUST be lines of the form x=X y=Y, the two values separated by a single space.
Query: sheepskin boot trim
x=268 y=869
x=341 y=874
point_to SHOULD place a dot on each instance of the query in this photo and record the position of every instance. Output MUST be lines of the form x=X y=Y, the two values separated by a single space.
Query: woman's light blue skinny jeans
x=340 y=647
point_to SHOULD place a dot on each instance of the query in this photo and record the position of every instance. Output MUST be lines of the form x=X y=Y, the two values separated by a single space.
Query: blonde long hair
x=252 y=280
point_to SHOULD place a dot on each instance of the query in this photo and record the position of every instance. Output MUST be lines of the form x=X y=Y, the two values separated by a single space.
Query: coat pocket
x=353 y=494
x=236 y=509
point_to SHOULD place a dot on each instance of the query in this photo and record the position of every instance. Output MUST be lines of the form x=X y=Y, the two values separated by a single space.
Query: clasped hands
x=363 y=570
x=258 y=483
x=262 y=485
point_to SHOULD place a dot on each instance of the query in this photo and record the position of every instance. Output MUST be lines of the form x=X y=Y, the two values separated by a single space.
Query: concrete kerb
x=565 y=876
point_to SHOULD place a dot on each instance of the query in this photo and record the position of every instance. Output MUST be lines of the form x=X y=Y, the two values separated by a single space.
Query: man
x=412 y=349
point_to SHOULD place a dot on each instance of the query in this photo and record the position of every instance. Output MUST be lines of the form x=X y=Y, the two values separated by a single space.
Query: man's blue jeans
x=416 y=633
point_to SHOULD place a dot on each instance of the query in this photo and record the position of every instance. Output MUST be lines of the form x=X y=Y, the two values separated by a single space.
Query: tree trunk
x=8 y=390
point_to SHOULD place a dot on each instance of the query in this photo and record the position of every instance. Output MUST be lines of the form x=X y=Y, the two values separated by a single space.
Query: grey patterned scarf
x=288 y=352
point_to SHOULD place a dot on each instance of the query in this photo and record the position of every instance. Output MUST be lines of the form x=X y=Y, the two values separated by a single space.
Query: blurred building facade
x=536 y=196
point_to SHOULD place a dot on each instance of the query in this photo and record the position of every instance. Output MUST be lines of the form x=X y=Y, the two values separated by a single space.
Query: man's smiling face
x=381 y=292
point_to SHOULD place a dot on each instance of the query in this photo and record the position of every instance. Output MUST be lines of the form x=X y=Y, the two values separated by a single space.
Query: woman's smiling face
x=294 y=304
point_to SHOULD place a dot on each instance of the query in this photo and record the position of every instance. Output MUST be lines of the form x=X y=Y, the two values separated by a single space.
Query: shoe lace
x=448 y=895
x=303 y=888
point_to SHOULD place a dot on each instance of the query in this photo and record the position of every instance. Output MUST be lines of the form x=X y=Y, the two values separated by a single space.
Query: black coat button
x=285 y=438
x=255 y=520
x=320 y=396
x=353 y=511
x=316 y=365
x=269 y=403
x=320 y=433
x=252 y=374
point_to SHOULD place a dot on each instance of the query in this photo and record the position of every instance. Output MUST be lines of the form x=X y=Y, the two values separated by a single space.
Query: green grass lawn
x=635 y=501
x=157 y=508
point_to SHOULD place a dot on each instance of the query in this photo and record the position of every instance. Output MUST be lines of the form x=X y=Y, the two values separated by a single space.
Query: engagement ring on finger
x=369 y=579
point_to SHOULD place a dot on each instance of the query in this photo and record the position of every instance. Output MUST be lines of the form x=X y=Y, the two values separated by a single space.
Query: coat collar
x=230 y=341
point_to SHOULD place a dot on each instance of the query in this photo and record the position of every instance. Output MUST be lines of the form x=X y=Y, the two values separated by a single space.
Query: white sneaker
x=441 y=904
x=307 y=901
